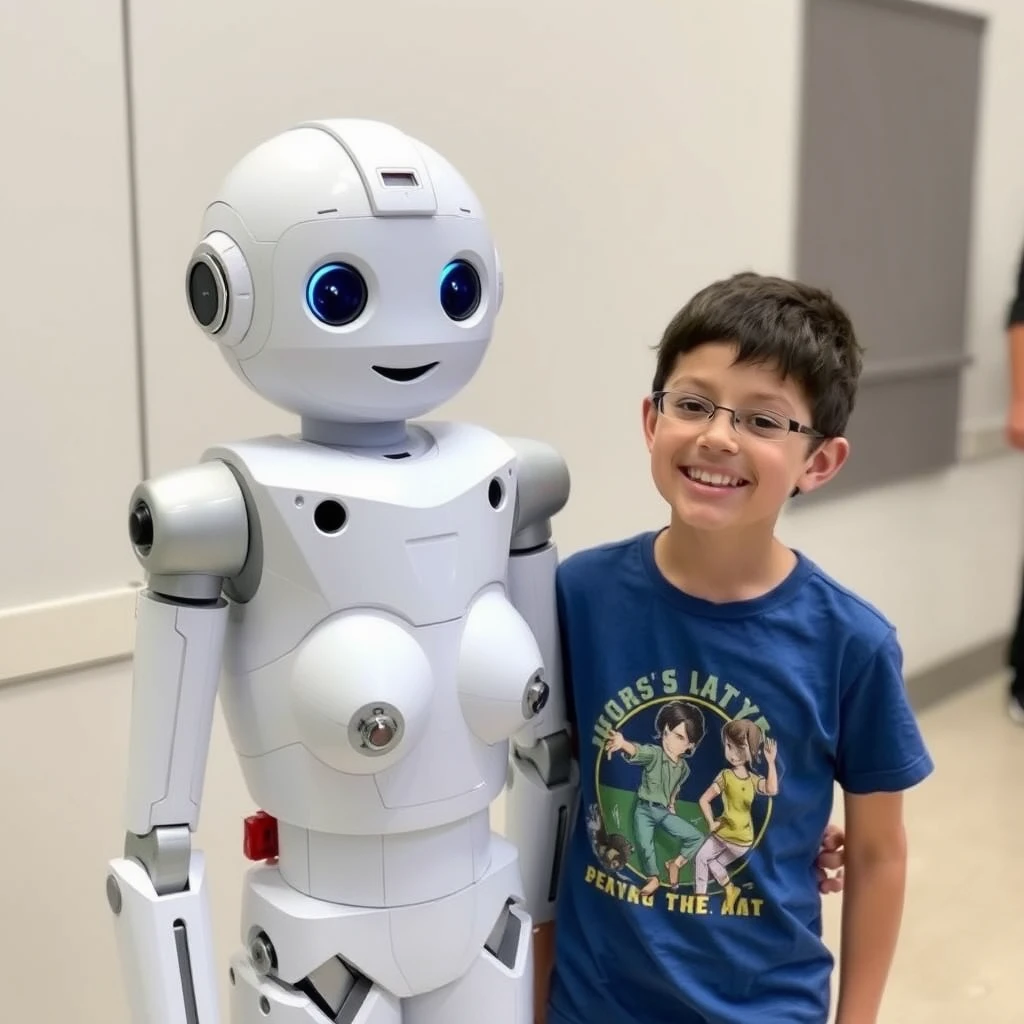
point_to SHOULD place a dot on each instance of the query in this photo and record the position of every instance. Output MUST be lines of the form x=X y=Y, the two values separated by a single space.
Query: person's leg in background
x=1015 y=436
x=1015 y=662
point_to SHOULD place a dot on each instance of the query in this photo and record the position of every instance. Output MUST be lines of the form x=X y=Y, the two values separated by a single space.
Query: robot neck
x=353 y=435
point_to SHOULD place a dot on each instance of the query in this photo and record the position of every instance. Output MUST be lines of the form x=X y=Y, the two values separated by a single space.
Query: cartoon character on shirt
x=613 y=850
x=679 y=728
x=731 y=834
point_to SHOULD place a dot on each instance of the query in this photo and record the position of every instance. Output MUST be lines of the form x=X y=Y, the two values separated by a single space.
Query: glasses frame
x=793 y=426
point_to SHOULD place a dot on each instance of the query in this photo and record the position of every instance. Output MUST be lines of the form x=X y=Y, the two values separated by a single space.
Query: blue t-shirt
x=743 y=714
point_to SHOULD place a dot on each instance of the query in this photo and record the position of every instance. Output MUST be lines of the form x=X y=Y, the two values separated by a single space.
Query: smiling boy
x=755 y=381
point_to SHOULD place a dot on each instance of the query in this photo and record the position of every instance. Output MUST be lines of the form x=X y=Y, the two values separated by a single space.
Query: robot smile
x=404 y=374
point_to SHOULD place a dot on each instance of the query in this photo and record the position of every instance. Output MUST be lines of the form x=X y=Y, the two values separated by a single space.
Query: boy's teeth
x=714 y=479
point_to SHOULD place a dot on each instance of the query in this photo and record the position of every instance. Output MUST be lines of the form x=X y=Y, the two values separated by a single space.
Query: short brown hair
x=798 y=330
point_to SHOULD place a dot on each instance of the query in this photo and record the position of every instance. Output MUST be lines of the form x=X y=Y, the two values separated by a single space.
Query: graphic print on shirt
x=685 y=784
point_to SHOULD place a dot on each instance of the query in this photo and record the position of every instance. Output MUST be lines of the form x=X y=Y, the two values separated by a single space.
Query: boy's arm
x=881 y=754
x=543 y=962
x=876 y=864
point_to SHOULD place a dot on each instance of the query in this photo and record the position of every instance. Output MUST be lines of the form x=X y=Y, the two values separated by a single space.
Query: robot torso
x=374 y=669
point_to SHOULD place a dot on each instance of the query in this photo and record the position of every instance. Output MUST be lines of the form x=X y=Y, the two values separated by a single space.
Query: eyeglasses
x=687 y=408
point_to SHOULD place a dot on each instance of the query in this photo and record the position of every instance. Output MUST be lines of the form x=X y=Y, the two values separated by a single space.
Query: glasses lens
x=764 y=424
x=687 y=407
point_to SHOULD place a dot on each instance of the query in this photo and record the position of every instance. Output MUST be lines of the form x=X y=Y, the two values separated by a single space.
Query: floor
x=961 y=952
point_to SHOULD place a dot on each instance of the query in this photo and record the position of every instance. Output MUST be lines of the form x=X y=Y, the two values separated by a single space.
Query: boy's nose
x=719 y=431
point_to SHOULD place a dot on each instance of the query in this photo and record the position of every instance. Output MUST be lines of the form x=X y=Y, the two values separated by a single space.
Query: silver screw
x=261 y=953
x=378 y=730
x=113 y=894
x=536 y=697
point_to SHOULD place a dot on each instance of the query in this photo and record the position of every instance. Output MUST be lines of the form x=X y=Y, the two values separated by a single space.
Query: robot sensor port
x=208 y=294
x=140 y=527
x=496 y=493
x=329 y=516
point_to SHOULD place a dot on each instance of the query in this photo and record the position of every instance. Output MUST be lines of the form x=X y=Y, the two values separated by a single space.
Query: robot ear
x=219 y=289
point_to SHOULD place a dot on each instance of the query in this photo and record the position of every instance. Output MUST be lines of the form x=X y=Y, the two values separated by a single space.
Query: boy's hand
x=831 y=857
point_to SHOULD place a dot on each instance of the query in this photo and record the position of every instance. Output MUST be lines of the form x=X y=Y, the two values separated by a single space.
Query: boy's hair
x=798 y=330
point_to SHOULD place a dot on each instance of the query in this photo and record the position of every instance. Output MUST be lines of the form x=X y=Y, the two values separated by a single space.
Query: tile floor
x=961 y=953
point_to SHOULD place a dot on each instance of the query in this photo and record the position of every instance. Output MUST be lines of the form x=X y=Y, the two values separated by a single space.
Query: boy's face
x=761 y=473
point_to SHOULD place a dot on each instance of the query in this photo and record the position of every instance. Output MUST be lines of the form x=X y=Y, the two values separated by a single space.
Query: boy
x=755 y=381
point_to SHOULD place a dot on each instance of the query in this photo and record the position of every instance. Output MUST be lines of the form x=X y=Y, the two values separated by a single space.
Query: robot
x=371 y=599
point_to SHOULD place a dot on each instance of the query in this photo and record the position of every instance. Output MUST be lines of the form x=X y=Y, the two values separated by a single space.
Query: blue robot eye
x=336 y=294
x=460 y=290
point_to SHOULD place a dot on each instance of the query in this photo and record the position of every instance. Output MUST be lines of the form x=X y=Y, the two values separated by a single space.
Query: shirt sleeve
x=881 y=749
x=646 y=754
x=1016 y=313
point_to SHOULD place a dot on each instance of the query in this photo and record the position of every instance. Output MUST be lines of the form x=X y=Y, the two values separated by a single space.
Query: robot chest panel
x=418 y=540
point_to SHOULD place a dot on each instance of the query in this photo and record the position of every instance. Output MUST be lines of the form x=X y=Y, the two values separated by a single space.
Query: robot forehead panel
x=341 y=168
x=393 y=167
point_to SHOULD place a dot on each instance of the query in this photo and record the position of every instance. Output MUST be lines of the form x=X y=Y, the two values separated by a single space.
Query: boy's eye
x=765 y=421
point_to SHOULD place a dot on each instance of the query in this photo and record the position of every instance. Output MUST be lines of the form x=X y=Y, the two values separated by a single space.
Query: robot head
x=347 y=273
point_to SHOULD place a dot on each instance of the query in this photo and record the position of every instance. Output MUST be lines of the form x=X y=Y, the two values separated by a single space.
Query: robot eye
x=336 y=294
x=460 y=290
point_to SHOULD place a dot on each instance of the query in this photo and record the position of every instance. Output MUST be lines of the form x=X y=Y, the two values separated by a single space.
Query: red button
x=260 y=841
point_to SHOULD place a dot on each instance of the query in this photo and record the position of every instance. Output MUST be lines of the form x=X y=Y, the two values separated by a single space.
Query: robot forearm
x=540 y=807
x=157 y=889
x=543 y=782
x=164 y=945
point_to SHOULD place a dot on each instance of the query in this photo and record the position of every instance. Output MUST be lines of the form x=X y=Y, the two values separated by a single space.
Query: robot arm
x=544 y=777
x=189 y=530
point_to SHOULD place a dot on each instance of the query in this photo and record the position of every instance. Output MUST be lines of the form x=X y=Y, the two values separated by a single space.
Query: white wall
x=626 y=154
x=69 y=418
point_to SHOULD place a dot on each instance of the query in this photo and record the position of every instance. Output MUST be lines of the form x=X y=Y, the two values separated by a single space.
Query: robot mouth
x=404 y=374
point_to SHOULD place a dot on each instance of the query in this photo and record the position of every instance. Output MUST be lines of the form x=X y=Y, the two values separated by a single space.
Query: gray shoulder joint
x=542 y=489
x=190 y=526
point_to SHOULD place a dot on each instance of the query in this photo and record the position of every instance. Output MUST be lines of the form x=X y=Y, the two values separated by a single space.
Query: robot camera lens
x=140 y=526
x=460 y=290
x=205 y=295
x=336 y=294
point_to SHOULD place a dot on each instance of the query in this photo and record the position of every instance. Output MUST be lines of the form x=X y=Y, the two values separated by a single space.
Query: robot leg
x=498 y=988
x=333 y=994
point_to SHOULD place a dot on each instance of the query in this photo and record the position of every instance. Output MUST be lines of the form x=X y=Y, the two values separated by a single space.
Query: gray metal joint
x=165 y=853
x=551 y=756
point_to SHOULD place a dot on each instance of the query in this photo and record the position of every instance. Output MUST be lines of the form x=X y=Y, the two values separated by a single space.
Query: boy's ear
x=822 y=464
x=650 y=420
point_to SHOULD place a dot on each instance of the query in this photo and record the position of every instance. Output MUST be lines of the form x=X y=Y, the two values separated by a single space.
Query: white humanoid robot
x=373 y=601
